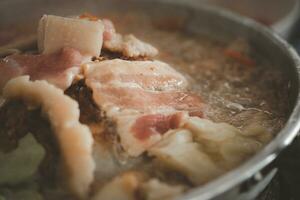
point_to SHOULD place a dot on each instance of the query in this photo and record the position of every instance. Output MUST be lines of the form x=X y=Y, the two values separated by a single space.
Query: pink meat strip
x=148 y=125
x=56 y=68
x=146 y=99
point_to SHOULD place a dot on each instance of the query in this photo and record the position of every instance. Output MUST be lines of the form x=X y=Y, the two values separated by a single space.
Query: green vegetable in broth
x=22 y=163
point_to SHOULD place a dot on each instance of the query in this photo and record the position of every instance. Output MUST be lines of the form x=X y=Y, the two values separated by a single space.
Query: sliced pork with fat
x=56 y=32
x=144 y=98
x=150 y=75
x=59 y=68
x=128 y=45
x=116 y=100
x=154 y=189
x=140 y=132
x=178 y=151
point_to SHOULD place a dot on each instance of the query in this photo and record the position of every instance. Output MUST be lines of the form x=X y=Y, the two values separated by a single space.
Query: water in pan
x=241 y=88
x=238 y=91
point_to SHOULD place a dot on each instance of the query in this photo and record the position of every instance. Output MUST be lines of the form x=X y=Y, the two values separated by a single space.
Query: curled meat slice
x=129 y=46
x=59 y=68
x=150 y=75
x=140 y=132
x=178 y=151
x=206 y=129
x=56 y=32
x=75 y=140
x=223 y=139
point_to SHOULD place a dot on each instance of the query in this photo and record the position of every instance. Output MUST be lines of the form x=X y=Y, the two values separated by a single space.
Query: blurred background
x=280 y=15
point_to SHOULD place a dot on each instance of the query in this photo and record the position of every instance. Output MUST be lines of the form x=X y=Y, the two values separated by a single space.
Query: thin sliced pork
x=56 y=32
x=75 y=139
x=117 y=100
x=140 y=132
x=60 y=68
x=150 y=75
x=129 y=46
x=144 y=98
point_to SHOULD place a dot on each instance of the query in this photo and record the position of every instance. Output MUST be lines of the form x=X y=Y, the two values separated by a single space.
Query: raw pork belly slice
x=128 y=45
x=58 y=68
x=64 y=44
x=144 y=98
x=56 y=32
x=150 y=75
x=118 y=99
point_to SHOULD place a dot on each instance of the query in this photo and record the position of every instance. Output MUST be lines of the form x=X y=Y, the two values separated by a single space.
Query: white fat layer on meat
x=64 y=79
x=102 y=76
x=185 y=150
x=154 y=189
x=129 y=46
x=56 y=32
x=223 y=139
x=178 y=151
x=206 y=129
x=160 y=75
x=75 y=139
x=130 y=143
x=122 y=187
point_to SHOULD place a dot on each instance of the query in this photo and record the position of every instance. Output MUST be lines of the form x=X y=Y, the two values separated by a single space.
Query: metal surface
x=216 y=23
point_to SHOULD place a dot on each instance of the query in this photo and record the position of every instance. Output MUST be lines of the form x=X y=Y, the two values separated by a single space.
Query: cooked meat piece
x=59 y=68
x=143 y=86
x=140 y=132
x=205 y=129
x=133 y=47
x=148 y=92
x=152 y=75
x=117 y=100
x=129 y=46
x=103 y=129
x=74 y=139
x=154 y=189
x=226 y=141
x=178 y=151
x=89 y=111
x=109 y=29
x=122 y=187
x=55 y=33
x=148 y=125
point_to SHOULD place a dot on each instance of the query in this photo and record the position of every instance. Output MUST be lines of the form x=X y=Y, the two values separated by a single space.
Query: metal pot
x=249 y=179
